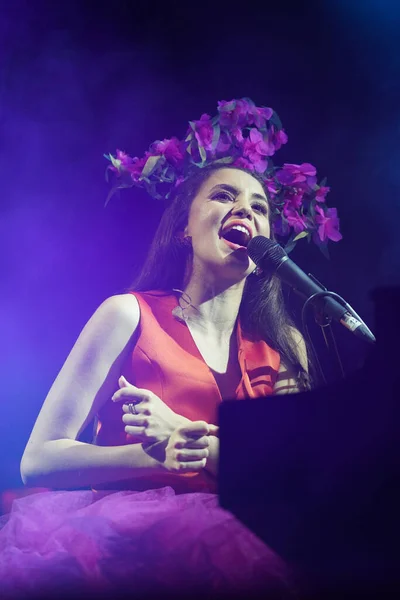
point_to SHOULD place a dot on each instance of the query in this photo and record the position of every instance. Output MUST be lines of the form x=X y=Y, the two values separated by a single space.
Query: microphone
x=269 y=255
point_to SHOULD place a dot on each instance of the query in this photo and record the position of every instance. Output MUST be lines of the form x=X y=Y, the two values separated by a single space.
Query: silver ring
x=132 y=409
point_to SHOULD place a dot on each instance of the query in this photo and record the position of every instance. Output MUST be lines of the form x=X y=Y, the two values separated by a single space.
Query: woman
x=152 y=365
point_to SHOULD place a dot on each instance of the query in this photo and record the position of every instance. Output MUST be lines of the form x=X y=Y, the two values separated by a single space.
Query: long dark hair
x=263 y=314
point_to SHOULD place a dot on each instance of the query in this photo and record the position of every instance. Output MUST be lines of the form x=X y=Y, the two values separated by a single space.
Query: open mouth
x=236 y=237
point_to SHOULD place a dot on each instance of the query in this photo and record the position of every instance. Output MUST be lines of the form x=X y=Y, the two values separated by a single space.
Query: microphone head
x=263 y=250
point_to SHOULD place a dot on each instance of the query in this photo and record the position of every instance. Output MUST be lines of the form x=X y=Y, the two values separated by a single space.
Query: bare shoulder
x=111 y=326
x=122 y=308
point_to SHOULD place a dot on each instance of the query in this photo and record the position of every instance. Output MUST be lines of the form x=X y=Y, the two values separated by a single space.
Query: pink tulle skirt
x=135 y=543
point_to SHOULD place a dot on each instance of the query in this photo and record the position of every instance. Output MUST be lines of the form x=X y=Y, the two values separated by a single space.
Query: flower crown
x=245 y=136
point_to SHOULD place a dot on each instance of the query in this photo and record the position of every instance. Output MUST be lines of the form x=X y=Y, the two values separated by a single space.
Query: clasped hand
x=186 y=442
x=153 y=421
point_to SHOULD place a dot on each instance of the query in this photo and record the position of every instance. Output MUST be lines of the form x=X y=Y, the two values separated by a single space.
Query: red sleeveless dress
x=167 y=361
x=162 y=535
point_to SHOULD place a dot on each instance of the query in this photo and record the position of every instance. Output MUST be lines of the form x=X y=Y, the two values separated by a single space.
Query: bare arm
x=53 y=457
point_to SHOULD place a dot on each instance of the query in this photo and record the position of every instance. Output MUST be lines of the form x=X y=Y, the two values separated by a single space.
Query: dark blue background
x=79 y=79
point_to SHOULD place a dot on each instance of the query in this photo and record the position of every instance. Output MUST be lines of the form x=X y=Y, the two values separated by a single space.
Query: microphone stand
x=324 y=322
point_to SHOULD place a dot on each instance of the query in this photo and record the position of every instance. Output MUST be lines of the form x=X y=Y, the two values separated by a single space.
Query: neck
x=214 y=305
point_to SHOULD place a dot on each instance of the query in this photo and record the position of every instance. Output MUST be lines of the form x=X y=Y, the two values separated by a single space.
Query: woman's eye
x=222 y=196
x=259 y=207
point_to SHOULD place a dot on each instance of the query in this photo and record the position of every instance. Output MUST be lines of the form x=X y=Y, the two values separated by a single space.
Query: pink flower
x=242 y=113
x=223 y=145
x=227 y=113
x=233 y=113
x=271 y=186
x=204 y=131
x=261 y=115
x=172 y=150
x=255 y=148
x=243 y=163
x=292 y=174
x=295 y=220
x=136 y=167
x=321 y=193
x=278 y=138
x=125 y=159
x=294 y=201
x=179 y=180
x=328 y=224
x=237 y=134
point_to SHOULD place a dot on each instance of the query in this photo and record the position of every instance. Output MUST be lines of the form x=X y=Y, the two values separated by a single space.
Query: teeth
x=239 y=228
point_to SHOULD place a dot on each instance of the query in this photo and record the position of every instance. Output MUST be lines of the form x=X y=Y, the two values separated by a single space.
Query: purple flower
x=125 y=159
x=237 y=134
x=204 y=131
x=136 y=167
x=271 y=186
x=223 y=145
x=278 y=137
x=121 y=161
x=242 y=113
x=321 y=193
x=179 y=180
x=243 y=163
x=234 y=113
x=294 y=201
x=259 y=116
x=255 y=148
x=228 y=115
x=328 y=224
x=292 y=174
x=172 y=150
x=295 y=219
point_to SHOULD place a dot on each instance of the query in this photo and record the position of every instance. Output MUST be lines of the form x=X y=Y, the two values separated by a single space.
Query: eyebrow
x=234 y=190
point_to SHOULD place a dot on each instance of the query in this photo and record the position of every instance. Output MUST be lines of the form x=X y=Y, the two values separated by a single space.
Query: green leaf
x=202 y=154
x=301 y=235
x=110 y=195
x=275 y=120
x=150 y=165
x=114 y=190
x=290 y=244
x=216 y=135
x=325 y=251
x=223 y=161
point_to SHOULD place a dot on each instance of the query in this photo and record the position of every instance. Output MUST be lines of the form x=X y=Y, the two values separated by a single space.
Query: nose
x=242 y=210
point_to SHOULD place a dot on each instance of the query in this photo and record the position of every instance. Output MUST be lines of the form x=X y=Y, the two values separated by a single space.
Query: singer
x=200 y=324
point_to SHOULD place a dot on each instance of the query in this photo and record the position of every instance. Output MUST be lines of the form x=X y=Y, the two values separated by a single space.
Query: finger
x=186 y=455
x=138 y=407
x=202 y=442
x=123 y=382
x=194 y=429
x=195 y=465
x=135 y=420
x=138 y=432
x=214 y=430
x=130 y=393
